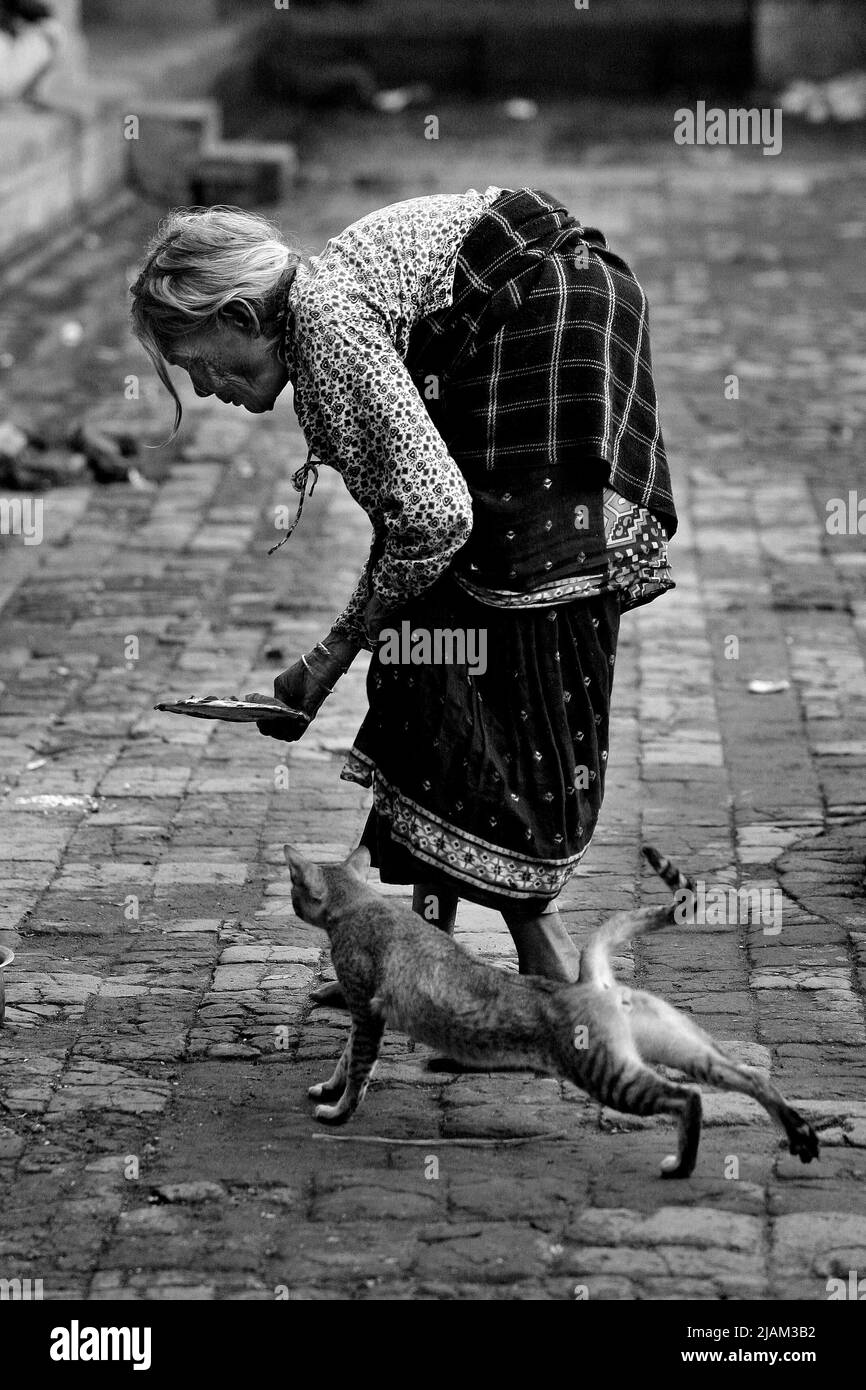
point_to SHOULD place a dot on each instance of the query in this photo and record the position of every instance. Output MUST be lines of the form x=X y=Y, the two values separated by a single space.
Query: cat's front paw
x=332 y=1114
x=324 y=1089
x=674 y=1167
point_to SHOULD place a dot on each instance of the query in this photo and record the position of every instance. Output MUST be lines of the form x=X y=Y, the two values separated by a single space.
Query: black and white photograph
x=432 y=669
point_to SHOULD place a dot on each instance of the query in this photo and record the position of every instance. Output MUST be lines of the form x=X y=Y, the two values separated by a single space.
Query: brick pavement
x=155 y=1136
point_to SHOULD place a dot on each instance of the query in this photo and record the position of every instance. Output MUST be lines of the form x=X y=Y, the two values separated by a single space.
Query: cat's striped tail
x=675 y=879
x=617 y=930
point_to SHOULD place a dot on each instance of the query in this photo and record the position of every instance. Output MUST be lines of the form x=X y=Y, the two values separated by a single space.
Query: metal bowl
x=6 y=958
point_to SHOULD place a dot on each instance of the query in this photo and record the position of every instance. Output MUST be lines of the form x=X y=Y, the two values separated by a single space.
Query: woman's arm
x=392 y=458
x=395 y=464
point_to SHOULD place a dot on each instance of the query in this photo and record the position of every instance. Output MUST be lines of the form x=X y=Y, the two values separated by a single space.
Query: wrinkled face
x=235 y=364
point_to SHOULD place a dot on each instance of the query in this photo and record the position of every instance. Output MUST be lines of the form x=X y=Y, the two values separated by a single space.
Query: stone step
x=125 y=117
x=176 y=154
x=244 y=172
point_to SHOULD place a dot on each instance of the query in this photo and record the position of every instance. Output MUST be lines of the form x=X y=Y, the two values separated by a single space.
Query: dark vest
x=527 y=267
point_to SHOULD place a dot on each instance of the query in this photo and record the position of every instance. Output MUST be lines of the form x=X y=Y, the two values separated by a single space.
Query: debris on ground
x=769 y=687
x=520 y=109
x=841 y=98
x=397 y=99
x=56 y=801
x=109 y=454
x=28 y=461
x=33 y=458
x=71 y=333
x=13 y=441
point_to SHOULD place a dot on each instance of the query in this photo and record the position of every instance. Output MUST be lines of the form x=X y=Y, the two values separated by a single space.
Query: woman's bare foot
x=544 y=947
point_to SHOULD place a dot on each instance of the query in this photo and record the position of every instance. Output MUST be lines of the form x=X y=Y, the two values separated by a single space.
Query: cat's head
x=318 y=890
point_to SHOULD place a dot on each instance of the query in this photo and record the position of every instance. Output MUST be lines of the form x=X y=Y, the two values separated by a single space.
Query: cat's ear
x=305 y=875
x=359 y=862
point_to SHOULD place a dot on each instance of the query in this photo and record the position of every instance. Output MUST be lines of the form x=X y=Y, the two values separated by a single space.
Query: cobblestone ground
x=155 y=1136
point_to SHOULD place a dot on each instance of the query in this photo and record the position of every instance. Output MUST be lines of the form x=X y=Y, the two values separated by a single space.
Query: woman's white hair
x=200 y=260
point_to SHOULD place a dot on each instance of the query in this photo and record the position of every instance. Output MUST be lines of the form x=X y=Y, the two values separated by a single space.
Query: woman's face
x=233 y=362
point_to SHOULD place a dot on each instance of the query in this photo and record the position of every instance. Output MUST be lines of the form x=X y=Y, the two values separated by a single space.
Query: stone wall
x=52 y=167
x=65 y=153
x=60 y=153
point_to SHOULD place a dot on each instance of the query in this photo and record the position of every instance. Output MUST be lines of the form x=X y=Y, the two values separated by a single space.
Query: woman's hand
x=297 y=688
x=307 y=684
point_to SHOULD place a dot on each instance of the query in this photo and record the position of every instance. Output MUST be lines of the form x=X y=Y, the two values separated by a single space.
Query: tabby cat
x=399 y=970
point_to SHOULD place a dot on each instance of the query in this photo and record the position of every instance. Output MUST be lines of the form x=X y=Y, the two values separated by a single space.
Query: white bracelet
x=329 y=688
x=342 y=669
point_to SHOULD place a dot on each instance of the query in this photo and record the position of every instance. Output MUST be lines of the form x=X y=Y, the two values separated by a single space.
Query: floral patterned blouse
x=347 y=331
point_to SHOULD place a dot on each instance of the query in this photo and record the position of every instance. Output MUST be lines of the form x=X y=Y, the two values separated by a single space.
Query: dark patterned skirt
x=488 y=783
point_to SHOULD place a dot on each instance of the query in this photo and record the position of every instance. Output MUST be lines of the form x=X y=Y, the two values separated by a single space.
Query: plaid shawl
x=568 y=379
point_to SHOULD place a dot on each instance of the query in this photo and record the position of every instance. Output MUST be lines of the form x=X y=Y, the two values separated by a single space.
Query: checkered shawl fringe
x=572 y=381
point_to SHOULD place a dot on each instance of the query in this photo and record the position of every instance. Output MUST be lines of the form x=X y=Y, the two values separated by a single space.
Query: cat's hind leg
x=733 y=1076
x=664 y=1035
x=685 y=1103
x=614 y=1072
x=361 y=1054
x=638 y=1090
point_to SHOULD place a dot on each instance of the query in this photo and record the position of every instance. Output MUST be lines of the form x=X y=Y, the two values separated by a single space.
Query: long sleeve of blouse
x=375 y=429
x=350 y=318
